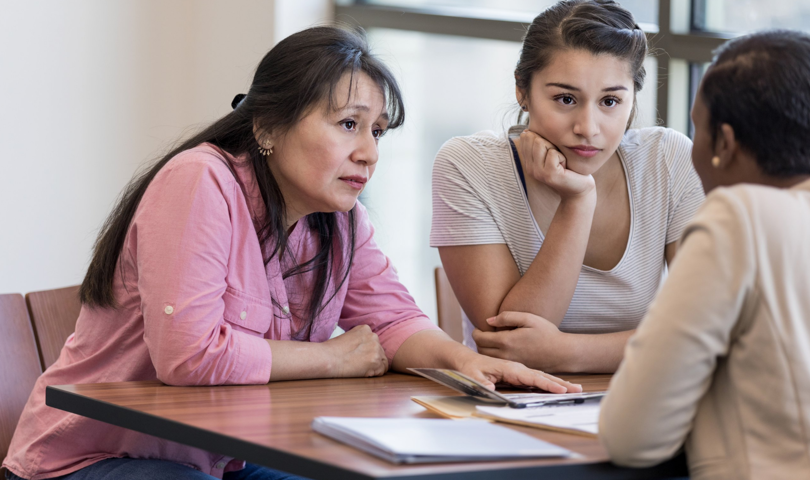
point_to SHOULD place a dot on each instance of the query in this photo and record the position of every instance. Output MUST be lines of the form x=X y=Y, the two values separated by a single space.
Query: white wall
x=295 y=15
x=90 y=90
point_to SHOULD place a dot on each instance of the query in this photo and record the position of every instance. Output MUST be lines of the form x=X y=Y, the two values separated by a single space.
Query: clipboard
x=466 y=385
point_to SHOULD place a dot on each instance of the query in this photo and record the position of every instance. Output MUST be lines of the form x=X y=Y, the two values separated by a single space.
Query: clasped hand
x=525 y=338
x=544 y=162
x=357 y=353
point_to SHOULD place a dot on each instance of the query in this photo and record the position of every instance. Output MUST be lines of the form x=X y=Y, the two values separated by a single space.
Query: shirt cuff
x=254 y=360
x=394 y=336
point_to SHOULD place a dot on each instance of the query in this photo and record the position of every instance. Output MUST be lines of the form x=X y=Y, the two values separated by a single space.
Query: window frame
x=667 y=41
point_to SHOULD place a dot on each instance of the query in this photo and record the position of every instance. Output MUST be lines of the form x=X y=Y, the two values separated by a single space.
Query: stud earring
x=524 y=108
x=266 y=150
x=716 y=161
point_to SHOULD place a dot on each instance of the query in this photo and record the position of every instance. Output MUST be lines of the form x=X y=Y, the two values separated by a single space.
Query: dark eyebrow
x=575 y=89
x=363 y=108
x=563 y=86
x=355 y=107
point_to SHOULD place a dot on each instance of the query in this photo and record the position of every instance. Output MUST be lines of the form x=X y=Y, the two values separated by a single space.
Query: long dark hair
x=760 y=85
x=298 y=73
x=596 y=26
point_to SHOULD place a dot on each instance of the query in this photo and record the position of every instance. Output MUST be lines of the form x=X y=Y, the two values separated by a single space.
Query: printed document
x=582 y=419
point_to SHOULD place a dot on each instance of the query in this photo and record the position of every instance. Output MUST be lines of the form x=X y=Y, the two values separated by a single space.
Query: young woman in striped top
x=555 y=236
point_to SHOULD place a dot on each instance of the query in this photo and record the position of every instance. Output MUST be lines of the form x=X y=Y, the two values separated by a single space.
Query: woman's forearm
x=356 y=353
x=590 y=353
x=548 y=285
x=300 y=360
x=430 y=349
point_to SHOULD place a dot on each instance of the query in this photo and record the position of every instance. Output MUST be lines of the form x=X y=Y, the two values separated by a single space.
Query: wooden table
x=270 y=425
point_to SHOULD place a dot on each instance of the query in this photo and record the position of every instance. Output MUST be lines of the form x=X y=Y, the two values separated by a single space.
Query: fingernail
x=490 y=319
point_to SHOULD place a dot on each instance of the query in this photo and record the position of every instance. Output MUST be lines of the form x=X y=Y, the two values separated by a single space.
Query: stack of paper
x=523 y=400
x=567 y=412
x=581 y=419
x=418 y=440
x=450 y=407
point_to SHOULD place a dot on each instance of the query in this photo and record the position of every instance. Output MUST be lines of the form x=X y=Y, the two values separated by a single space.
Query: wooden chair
x=53 y=315
x=19 y=366
x=448 y=307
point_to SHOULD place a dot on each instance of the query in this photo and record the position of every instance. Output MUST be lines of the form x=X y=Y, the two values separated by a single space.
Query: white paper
x=415 y=440
x=582 y=417
x=555 y=397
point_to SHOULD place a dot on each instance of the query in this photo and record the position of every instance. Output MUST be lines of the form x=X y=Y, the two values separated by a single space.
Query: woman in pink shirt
x=233 y=259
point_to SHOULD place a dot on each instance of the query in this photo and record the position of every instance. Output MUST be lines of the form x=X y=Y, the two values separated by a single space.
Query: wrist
x=329 y=357
x=583 y=202
x=570 y=353
x=559 y=355
x=459 y=357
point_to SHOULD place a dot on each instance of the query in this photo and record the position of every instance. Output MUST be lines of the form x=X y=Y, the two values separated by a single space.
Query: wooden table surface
x=270 y=425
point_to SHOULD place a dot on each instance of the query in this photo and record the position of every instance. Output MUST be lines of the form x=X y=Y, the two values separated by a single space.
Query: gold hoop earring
x=266 y=151
x=716 y=161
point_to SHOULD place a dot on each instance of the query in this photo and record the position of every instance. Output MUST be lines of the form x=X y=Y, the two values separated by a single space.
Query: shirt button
x=220 y=465
x=243 y=315
x=168 y=310
x=285 y=309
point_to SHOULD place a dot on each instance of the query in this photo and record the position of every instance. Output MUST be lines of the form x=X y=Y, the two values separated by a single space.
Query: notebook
x=423 y=440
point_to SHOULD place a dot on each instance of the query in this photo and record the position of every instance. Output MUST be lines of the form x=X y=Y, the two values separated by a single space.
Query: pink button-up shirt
x=196 y=305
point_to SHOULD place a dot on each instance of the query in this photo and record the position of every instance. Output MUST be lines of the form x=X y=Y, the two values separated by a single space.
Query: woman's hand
x=357 y=353
x=545 y=163
x=434 y=349
x=490 y=371
x=525 y=338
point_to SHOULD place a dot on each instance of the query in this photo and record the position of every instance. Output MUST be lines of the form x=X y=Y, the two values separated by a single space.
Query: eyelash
x=559 y=98
x=377 y=136
x=613 y=99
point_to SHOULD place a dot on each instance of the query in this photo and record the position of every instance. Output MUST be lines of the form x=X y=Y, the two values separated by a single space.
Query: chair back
x=448 y=307
x=19 y=366
x=53 y=314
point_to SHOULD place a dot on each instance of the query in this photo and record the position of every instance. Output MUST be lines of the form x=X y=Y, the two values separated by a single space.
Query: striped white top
x=478 y=199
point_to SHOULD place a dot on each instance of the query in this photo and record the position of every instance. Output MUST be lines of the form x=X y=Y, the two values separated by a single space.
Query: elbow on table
x=629 y=450
x=194 y=362
x=186 y=373
x=178 y=377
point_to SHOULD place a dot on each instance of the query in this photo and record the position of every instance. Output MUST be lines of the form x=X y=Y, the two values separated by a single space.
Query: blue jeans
x=137 y=469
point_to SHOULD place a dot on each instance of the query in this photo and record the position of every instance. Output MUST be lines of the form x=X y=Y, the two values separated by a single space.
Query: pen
x=542 y=403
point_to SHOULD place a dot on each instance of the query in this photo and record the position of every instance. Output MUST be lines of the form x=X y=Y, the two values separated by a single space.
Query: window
x=742 y=16
x=739 y=17
x=645 y=11
x=452 y=86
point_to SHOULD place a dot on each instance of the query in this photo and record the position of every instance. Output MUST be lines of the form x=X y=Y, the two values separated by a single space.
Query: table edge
x=185 y=434
x=124 y=417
